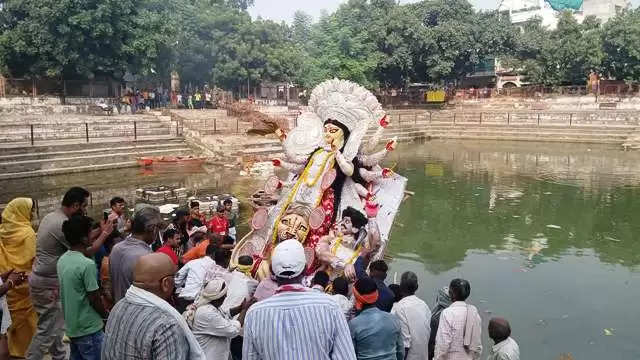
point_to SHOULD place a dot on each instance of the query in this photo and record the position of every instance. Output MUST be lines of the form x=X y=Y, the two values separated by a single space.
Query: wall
x=603 y=9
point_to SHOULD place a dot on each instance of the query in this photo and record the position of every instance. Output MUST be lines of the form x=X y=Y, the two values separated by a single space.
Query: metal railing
x=85 y=132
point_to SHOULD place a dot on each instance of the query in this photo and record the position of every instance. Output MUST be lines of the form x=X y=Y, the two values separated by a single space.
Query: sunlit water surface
x=546 y=234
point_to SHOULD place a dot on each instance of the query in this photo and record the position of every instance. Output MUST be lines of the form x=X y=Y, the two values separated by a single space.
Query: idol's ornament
x=337 y=200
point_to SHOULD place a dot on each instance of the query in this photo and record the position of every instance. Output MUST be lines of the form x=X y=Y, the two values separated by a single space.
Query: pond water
x=546 y=234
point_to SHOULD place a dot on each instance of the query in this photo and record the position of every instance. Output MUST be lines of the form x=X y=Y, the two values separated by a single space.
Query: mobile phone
x=106 y=215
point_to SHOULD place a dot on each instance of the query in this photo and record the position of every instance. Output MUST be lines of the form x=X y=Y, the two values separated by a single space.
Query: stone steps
x=530 y=125
x=520 y=132
x=56 y=158
x=53 y=154
x=96 y=145
x=81 y=134
x=38 y=128
x=586 y=140
x=62 y=161
x=68 y=170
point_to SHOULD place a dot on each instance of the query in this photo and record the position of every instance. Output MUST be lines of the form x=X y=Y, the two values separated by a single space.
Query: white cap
x=288 y=259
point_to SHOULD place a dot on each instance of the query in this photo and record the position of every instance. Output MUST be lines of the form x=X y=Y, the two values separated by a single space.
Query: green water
x=546 y=234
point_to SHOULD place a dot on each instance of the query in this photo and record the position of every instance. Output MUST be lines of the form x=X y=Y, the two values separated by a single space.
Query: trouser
x=182 y=304
x=87 y=347
x=236 y=348
x=232 y=233
x=48 y=337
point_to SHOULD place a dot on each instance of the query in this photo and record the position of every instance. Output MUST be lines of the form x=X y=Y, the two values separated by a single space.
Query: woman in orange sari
x=17 y=251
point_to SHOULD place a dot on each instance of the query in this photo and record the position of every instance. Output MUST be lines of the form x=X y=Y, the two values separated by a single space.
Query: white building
x=603 y=9
x=522 y=11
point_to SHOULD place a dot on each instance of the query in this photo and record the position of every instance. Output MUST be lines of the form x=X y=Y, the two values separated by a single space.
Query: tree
x=621 y=44
x=458 y=38
x=301 y=28
x=54 y=38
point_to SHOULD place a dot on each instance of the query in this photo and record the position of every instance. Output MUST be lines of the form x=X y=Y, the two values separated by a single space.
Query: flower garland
x=303 y=179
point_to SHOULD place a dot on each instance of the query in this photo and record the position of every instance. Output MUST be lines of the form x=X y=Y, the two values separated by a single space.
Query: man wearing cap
x=212 y=325
x=295 y=323
x=194 y=274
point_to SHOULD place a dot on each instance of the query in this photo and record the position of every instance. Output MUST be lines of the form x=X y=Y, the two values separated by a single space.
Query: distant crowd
x=136 y=100
x=130 y=288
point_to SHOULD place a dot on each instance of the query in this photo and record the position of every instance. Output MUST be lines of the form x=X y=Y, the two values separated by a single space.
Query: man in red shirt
x=171 y=239
x=219 y=225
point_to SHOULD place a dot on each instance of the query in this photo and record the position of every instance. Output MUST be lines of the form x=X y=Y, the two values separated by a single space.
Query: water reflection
x=525 y=199
x=547 y=234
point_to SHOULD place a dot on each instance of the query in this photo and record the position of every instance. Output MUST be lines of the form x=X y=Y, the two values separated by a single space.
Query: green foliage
x=377 y=43
x=564 y=56
x=67 y=37
x=621 y=36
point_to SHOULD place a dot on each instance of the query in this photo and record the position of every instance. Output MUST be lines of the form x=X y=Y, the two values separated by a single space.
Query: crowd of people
x=137 y=288
x=136 y=100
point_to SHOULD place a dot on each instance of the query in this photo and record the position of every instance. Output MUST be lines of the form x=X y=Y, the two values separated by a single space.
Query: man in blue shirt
x=378 y=272
x=376 y=334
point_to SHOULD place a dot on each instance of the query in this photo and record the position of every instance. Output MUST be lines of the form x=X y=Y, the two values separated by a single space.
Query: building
x=491 y=74
x=522 y=11
x=603 y=9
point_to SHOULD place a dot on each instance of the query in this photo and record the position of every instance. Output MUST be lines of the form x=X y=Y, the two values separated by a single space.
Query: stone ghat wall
x=39 y=127
x=480 y=116
x=562 y=103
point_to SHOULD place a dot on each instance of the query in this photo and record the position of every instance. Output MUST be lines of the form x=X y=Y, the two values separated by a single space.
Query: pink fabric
x=265 y=289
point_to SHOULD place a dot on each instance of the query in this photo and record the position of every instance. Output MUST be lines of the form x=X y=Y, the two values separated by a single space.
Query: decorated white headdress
x=351 y=105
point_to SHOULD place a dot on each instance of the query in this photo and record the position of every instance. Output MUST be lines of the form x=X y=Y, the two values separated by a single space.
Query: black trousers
x=236 y=348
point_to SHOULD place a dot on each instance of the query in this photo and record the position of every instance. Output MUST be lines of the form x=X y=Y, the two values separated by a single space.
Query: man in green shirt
x=79 y=291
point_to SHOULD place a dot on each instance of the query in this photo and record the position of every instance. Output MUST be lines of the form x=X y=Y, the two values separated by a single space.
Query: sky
x=279 y=10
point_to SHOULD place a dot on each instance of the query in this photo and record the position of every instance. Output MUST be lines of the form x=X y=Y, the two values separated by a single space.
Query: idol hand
x=350 y=272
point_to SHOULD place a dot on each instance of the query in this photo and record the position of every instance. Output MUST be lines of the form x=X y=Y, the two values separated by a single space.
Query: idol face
x=347 y=226
x=293 y=226
x=334 y=136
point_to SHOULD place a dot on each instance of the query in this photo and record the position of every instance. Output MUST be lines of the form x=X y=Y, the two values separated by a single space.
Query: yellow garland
x=295 y=188
x=356 y=253
x=320 y=172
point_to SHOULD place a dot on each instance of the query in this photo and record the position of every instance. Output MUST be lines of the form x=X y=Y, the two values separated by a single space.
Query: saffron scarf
x=362 y=300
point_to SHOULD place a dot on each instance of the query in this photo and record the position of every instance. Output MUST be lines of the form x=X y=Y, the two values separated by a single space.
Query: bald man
x=505 y=347
x=143 y=325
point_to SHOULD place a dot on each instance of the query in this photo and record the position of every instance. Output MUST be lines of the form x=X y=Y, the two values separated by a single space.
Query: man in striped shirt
x=295 y=323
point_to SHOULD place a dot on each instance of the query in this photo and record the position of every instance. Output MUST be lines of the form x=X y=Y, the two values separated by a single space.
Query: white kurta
x=415 y=319
x=505 y=350
x=214 y=330
x=6 y=315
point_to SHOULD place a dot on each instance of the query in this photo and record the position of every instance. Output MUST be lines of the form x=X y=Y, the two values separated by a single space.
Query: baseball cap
x=288 y=259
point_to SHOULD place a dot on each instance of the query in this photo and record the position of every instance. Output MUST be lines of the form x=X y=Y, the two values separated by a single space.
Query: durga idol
x=330 y=170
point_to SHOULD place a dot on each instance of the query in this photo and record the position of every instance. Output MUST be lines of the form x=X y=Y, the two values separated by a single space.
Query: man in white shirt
x=241 y=287
x=213 y=326
x=415 y=317
x=190 y=279
x=460 y=330
x=505 y=347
